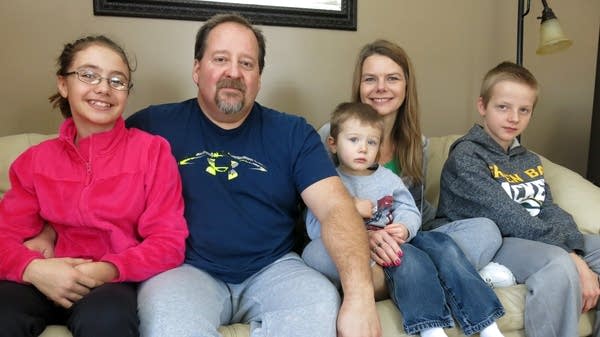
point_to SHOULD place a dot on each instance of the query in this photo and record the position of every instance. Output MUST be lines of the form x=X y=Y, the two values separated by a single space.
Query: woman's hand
x=43 y=242
x=398 y=231
x=364 y=207
x=385 y=250
x=59 y=280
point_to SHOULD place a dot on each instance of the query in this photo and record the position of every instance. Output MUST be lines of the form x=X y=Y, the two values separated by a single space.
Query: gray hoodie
x=480 y=179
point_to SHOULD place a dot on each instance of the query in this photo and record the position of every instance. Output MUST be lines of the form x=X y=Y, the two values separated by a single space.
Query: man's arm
x=345 y=238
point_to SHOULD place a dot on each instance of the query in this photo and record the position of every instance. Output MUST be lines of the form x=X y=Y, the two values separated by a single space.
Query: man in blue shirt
x=245 y=168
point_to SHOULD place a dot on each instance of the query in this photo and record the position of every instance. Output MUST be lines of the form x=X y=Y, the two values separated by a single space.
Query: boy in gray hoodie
x=488 y=173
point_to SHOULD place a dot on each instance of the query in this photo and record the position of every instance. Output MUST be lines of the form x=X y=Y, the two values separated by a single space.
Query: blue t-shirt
x=242 y=186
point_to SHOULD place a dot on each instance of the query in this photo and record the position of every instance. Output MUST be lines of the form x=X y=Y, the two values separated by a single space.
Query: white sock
x=491 y=331
x=433 y=332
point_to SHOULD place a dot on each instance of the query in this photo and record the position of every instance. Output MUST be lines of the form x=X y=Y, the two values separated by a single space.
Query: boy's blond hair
x=507 y=71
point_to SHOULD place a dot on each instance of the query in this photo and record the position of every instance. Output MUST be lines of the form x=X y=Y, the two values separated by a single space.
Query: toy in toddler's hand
x=382 y=213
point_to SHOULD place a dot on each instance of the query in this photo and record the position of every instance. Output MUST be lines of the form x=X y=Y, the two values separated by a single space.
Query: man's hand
x=43 y=242
x=364 y=207
x=590 y=287
x=358 y=318
x=102 y=272
x=344 y=236
x=59 y=280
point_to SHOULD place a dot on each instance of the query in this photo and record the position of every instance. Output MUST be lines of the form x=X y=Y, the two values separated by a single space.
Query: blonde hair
x=507 y=71
x=406 y=131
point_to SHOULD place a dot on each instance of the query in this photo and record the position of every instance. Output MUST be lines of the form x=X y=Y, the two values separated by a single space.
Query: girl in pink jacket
x=111 y=196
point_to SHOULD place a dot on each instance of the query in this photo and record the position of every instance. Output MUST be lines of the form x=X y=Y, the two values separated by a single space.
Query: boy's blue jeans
x=434 y=283
x=458 y=291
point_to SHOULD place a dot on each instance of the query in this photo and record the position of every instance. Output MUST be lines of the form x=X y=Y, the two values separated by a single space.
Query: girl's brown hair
x=65 y=60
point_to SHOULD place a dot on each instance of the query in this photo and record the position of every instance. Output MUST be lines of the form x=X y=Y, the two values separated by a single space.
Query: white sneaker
x=497 y=275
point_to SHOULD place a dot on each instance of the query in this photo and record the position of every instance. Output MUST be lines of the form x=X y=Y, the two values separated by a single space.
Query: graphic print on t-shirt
x=382 y=213
x=529 y=194
x=223 y=162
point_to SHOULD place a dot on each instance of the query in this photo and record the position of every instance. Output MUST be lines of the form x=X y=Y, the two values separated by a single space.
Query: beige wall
x=452 y=44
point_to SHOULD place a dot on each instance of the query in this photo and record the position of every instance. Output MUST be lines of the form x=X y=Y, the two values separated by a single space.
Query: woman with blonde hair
x=384 y=78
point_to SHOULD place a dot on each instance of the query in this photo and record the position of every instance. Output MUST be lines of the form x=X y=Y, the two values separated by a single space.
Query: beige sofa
x=571 y=191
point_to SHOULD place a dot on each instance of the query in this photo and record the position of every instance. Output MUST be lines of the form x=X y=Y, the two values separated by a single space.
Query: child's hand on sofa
x=590 y=287
x=43 y=242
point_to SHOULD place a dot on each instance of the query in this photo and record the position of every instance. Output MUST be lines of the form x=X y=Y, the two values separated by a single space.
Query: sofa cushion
x=56 y=331
x=10 y=148
x=437 y=153
x=570 y=191
x=575 y=195
x=234 y=330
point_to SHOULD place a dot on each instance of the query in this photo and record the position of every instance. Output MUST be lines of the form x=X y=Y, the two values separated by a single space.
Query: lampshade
x=552 y=38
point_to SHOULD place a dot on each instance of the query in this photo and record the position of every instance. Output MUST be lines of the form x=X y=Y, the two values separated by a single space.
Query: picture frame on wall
x=323 y=14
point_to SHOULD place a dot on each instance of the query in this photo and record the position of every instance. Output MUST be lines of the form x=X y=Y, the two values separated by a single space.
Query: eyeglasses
x=116 y=82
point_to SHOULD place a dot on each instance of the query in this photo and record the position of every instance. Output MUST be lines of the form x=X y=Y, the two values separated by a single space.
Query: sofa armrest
x=575 y=195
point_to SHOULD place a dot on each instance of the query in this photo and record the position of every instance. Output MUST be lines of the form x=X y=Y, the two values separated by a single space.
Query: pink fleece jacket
x=115 y=198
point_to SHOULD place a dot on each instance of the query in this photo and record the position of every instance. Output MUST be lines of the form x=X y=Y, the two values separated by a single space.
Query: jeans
x=434 y=282
x=108 y=310
x=286 y=298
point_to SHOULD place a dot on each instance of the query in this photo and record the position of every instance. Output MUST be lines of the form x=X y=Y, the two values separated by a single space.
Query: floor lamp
x=552 y=38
